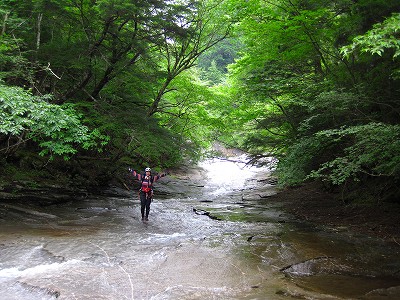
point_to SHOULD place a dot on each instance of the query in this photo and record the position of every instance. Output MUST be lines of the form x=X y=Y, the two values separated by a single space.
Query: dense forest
x=90 y=87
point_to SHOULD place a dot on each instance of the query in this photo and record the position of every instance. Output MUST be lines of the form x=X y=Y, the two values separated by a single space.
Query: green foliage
x=213 y=74
x=57 y=129
x=152 y=146
x=374 y=150
x=214 y=63
x=293 y=95
x=13 y=66
x=332 y=109
x=294 y=167
x=383 y=36
x=188 y=113
x=136 y=140
x=302 y=84
x=119 y=63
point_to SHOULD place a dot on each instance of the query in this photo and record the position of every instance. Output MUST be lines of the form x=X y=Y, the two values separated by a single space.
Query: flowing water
x=215 y=237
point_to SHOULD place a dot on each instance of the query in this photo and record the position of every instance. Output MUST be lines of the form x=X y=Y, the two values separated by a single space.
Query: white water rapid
x=212 y=234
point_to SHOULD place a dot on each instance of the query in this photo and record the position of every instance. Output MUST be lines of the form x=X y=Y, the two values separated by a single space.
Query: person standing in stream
x=146 y=190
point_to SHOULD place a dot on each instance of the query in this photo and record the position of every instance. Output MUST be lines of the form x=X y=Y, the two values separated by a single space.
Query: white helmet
x=147 y=170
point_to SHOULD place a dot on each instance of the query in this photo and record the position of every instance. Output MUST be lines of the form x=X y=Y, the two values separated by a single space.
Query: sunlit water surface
x=217 y=237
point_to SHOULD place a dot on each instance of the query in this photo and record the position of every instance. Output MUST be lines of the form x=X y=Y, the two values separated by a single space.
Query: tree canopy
x=317 y=85
x=107 y=84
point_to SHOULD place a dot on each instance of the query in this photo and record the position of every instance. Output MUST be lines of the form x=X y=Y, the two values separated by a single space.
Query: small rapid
x=212 y=234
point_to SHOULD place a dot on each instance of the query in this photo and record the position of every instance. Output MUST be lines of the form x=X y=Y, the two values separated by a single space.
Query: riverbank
x=311 y=203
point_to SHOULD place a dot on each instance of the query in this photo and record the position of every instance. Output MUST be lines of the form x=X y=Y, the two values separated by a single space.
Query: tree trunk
x=3 y=31
x=39 y=30
x=154 y=106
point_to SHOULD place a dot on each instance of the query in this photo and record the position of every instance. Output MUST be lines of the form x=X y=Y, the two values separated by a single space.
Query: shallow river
x=215 y=236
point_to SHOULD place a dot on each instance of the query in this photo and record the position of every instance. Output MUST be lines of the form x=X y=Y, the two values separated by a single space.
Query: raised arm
x=137 y=175
x=156 y=177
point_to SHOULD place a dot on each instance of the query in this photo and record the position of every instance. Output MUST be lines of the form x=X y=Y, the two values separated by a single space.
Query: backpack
x=148 y=189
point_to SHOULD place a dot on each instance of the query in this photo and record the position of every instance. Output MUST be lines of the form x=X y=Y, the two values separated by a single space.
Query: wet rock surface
x=224 y=238
x=311 y=203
